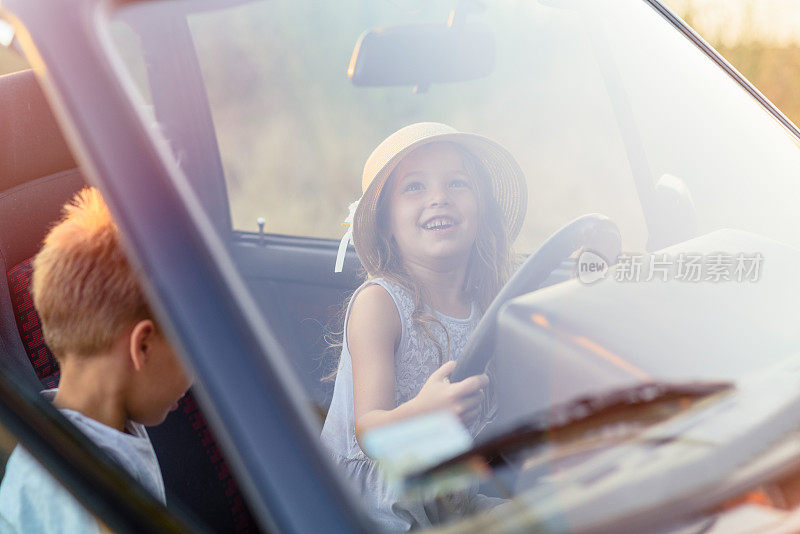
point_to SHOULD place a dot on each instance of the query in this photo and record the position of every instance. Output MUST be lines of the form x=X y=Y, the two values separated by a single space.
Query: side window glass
x=282 y=108
x=293 y=132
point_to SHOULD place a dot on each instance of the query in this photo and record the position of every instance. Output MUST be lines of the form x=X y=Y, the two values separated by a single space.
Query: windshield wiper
x=601 y=409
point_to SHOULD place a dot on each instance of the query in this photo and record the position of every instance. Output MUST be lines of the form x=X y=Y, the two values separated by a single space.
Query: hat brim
x=506 y=178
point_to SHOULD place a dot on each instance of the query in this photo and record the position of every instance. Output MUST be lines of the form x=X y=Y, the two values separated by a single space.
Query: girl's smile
x=433 y=207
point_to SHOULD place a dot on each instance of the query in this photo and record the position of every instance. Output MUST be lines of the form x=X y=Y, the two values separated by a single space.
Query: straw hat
x=507 y=180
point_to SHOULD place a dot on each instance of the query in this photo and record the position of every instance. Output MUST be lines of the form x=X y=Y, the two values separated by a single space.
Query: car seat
x=37 y=176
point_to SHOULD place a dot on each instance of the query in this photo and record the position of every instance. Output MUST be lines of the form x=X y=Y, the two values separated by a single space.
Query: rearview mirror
x=419 y=55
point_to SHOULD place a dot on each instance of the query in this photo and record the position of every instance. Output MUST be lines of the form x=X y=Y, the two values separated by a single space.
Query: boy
x=118 y=372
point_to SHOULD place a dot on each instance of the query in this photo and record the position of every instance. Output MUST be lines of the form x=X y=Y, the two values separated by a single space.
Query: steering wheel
x=594 y=231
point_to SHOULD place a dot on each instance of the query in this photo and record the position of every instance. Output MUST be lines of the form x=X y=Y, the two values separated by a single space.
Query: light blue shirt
x=33 y=501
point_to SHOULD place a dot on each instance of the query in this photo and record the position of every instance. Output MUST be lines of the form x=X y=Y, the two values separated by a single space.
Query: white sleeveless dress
x=416 y=358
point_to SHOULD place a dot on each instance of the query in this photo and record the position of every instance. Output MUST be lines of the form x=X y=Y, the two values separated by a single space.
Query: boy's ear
x=140 y=341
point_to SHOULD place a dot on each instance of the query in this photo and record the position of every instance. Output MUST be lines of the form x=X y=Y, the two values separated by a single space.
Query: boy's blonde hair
x=83 y=286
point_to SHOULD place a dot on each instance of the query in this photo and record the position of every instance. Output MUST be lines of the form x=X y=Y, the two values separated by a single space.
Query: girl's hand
x=464 y=399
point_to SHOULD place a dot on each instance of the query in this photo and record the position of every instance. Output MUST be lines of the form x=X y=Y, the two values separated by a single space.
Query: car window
x=738 y=167
x=301 y=168
x=578 y=114
x=607 y=107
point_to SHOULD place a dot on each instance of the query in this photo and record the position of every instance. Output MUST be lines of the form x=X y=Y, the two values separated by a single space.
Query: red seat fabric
x=30 y=329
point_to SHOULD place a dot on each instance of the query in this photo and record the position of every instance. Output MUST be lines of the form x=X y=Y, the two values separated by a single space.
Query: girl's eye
x=460 y=182
x=413 y=186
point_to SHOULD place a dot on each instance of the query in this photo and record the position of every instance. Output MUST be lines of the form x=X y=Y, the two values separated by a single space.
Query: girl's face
x=433 y=207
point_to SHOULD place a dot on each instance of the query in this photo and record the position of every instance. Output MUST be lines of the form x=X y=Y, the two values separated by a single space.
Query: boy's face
x=163 y=381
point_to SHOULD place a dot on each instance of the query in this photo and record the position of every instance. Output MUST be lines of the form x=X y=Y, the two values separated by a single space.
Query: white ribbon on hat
x=347 y=238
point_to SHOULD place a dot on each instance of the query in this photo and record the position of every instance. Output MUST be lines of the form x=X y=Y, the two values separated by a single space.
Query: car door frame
x=245 y=386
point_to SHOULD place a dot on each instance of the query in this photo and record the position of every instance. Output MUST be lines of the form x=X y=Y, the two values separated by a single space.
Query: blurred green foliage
x=773 y=68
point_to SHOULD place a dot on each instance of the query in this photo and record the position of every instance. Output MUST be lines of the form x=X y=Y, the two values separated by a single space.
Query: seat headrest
x=31 y=144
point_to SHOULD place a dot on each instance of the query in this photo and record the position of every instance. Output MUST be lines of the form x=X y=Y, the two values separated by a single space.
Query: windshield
x=607 y=108
x=577 y=95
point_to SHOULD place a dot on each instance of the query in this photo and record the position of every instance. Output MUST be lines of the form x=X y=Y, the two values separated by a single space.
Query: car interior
x=291 y=278
x=665 y=197
x=38 y=174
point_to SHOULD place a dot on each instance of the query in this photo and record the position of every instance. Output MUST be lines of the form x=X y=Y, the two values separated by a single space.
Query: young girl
x=432 y=229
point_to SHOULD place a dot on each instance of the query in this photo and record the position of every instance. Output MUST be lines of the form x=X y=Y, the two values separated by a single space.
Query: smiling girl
x=433 y=231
